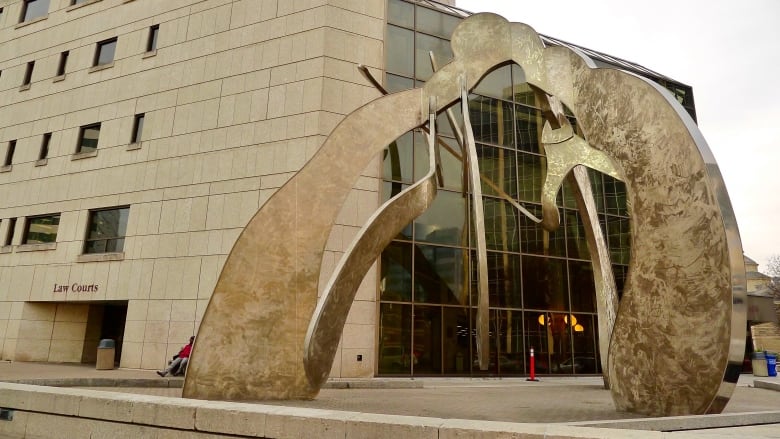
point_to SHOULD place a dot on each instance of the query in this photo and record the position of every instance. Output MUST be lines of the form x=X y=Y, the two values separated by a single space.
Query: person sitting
x=180 y=360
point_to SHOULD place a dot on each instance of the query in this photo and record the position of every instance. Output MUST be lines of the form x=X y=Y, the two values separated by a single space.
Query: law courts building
x=139 y=137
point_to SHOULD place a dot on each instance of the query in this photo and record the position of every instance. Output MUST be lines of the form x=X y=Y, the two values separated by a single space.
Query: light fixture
x=572 y=318
x=541 y=319
x=579 y=328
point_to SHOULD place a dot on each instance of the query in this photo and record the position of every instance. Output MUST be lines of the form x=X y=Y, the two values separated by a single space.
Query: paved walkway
x=551 y=400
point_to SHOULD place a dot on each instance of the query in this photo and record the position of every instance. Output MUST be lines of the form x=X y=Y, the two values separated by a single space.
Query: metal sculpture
x=679 y=332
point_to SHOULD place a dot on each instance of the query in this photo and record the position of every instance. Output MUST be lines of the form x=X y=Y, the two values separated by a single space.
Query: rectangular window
x=9 y=153
x=9 y=234
x=32 y=9
x=104 y=52
x=138 y=128
x=41 y=229
x=75 y=2
x=88 y=138
x=28 y=73
x=151 y=43
x=63 y=63
x=44 y=153
x=106 y=230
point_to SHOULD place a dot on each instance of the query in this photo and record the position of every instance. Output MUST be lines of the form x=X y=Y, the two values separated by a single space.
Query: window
x=88 y=138
x=106 y=230
x=9 y=153
x=9 y=234
x=151 y=44
x=1 y=16
x=32 y=9
x=138 y=128
x=44 y=153
x=75 y=2
x=104 y=53
x=63 y=63
x=28 y=73
x=41 y=229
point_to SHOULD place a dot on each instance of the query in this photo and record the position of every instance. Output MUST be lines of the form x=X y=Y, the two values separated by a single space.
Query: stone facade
x=235 y=97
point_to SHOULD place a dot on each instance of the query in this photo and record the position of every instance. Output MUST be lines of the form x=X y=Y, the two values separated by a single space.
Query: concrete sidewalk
x=566 y=400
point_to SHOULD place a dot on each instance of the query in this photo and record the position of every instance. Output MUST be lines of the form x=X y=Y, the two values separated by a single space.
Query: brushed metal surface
x=680 y=324
x=327 y=323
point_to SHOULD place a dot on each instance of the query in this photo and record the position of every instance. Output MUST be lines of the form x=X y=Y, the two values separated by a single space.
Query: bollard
x=533 y=368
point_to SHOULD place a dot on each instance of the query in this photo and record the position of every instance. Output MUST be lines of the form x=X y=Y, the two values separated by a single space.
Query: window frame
x=28 y=72
x=151 y=40
x=29 y=222
x=9 y=153
x=23 y=18
x=90 y=221
x=9 y=233
x=138 y=128
x=82 y=130
x=99 y=46
x=44 y=151
x=63 y=63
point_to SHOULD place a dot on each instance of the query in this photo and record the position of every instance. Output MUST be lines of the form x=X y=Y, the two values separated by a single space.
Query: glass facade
x=541 y=289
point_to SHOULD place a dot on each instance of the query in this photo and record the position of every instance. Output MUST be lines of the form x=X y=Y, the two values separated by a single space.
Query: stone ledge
x=766 y=384
x=682 y=423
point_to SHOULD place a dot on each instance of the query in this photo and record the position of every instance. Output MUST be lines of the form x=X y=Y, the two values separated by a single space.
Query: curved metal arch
x=627 y=119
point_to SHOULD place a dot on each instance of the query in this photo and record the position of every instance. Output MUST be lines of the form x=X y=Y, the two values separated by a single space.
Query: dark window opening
x=9 y=153
x=104 y=53
x=28 y=73
x=151 y=44
x=106 y=230
x=44 y=146
x=9 y=234
x=138 y=128
x=63 y=63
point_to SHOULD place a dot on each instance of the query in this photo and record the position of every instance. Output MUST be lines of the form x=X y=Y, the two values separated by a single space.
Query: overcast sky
x=727 y=50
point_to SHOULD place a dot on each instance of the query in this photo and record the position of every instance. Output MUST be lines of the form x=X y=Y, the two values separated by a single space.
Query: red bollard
x=533 y=368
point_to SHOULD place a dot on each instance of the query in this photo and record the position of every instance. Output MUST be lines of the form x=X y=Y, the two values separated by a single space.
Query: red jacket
x=185 y=351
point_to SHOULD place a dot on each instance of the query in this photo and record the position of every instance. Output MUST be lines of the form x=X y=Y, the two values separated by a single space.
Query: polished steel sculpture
x=678 y=337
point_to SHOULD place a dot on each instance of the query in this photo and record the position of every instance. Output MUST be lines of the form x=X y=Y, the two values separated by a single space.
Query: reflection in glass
x=444 y=222
x=389 y=190
x=106 y=230
x=503 y=280
x=538 y=241
x=452 y=166
x=583 y=291
x=400 y=51
x=395 y=283
x=585 y=359
x=502 y=231
x=496 y=84
x=507 y=352
x=538 y=336
x=621 y=273
x=576 y=242
x=439 y=275
x=395 y=83
x=41 y=229
x=395 y=339
x=397 y=159
x=597 y=188
x=442 y=123
x=521 y=91
x=427 y=339
x=619 y=239
x=435 y=23
x=555 y=334
x=530 y=173
x=425 y=44
x=545 y=283
x=497 y=165
x=615 y=196
x=400 y=13
x=528 y=126
x=491 y=120
x=456 y=340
